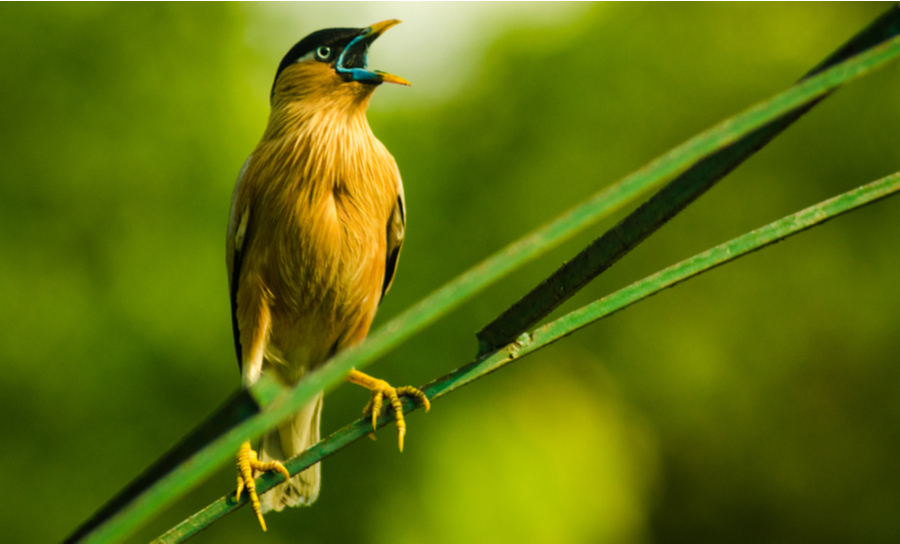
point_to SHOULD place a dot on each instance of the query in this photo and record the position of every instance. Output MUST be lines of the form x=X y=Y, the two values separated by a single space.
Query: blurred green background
x=757 y=403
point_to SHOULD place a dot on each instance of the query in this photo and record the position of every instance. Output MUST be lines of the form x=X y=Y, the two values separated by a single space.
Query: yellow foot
x=381 y=389
x=248 y=467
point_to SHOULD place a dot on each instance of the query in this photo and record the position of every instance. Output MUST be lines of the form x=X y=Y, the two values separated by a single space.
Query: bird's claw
x=249 y=465
x=381 y=389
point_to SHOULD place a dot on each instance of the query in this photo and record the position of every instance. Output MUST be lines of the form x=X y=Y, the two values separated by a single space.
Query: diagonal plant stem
x=553 y=331
x=603 y=252
x=267 y=405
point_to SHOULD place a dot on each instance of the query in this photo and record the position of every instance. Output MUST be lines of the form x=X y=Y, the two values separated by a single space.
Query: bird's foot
x=381 y=389
x=249 y=466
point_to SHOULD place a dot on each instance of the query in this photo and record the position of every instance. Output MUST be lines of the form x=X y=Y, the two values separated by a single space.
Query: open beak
x=352 y=61
x=377 y=30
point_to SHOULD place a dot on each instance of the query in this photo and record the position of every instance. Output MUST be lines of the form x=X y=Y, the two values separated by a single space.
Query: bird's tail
x=292 y=437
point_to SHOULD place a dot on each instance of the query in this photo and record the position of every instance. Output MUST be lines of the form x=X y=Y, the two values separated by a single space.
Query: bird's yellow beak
x=377 y=30
x=357 y=49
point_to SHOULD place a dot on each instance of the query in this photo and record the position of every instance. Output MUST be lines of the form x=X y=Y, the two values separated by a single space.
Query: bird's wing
x=396 y=228
x=235 y=239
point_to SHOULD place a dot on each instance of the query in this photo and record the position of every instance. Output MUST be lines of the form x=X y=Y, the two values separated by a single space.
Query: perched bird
x=316 y=225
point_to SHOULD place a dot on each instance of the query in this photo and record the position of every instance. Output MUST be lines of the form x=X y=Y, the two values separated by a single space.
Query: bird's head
x=331 y=63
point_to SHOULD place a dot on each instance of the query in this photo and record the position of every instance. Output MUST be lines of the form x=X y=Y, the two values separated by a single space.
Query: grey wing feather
x=237 y=228
x=396 y=229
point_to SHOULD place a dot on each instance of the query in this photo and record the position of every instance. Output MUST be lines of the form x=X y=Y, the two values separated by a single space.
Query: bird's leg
x=248 y=465
x=381 y=389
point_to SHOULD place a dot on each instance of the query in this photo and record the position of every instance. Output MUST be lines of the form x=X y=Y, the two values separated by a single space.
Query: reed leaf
x=250 y=414
x=556 y=330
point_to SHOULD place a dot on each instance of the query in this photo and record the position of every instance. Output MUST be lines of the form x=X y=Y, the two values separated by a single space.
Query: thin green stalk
x=689 y=185
x=564 y=326
x=141 y=502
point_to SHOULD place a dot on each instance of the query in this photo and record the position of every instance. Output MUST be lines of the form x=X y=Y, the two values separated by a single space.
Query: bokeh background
x=757 y=403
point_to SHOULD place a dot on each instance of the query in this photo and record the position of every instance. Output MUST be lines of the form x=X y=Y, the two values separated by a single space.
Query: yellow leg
x=248 y=466
x=381 y=389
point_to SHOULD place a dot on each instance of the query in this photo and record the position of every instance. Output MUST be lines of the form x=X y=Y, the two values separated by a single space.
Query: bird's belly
x=329 y=278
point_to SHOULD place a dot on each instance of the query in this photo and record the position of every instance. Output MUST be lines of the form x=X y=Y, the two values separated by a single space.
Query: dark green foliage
x=757 y=403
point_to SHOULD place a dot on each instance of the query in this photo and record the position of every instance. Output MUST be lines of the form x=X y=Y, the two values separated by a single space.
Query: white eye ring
x=323 y=52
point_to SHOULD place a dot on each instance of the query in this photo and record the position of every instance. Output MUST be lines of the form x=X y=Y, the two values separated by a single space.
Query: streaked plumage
x=316 y=225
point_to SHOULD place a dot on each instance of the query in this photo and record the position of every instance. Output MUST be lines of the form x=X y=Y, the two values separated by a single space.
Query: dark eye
x=323 y=52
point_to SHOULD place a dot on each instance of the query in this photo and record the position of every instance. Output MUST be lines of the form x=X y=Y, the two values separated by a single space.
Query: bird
x=315 y=228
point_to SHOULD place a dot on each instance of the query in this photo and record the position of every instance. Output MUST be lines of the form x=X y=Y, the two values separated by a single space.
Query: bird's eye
x=323 y=52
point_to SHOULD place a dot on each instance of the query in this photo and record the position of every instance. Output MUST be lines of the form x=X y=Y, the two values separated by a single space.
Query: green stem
x=555 y=330
x=689 y=185
x=137 y=503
